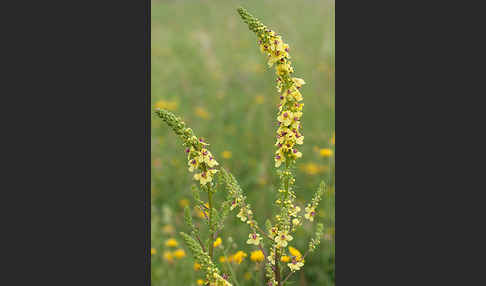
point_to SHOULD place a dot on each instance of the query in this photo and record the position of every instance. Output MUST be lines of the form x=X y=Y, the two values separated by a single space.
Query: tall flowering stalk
x=289 y=136
x=288 y=218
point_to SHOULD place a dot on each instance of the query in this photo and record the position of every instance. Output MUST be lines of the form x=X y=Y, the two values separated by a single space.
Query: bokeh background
x=207 y=68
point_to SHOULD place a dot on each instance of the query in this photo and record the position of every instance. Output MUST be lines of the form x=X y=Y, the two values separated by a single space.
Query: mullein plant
x=273 y=240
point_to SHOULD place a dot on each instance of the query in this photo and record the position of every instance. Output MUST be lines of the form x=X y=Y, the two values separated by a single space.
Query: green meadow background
x=207 y=68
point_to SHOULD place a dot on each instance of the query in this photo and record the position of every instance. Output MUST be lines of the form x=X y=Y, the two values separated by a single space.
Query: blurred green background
x=207 y=68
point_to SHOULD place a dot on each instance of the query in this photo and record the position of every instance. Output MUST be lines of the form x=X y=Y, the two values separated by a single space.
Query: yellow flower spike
x=257 y=256
x=153 y=251
x=217 y=242
x=179 y=253
x=254 y=238
x=197 y=266
x=326 y=152
x=171 y=243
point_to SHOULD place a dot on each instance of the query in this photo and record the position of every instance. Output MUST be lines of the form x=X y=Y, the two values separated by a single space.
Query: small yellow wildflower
x=226 y=154
x=325 y=152
x=169 y=105
x=200 y=282
x=171 y=242
x=295 y=265
x=254 y=238
x=153 y=251
x=239 y=256
x=202 y=113
x=282 y=238
x=295 y=222
x=205 y=177
x=285 y=258
x=217 y=242
x=295 y=252
x=168 y=256
x=179 y=253
x=241 y=215
x=310 y=213
x=197 y=266
x=312 y=168
x=257 y=256
x=223 y=259
x=183 y=203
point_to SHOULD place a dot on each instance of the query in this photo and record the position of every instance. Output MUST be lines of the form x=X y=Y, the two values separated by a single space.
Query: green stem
x=211 y=230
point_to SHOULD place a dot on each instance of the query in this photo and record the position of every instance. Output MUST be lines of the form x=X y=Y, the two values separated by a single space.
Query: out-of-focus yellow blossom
x=325 y=152
x=179 y=253
x=257 y=256
x=183 y=203
x=171 y=243
x=247 y=276
x=260 y=99
x=168 y=256
x=197 y=266
x=153 y=251
x=168 y=229
x=254 y=238
x=295 y=222
x=285 y=258
x=238 y=257
x=295 y=252
x=312 y=168
x=200 y=282
x=202 y=113
x=333 y=138
x=223 y=259
x=226 y=154
x=217 y=242
x=166 y=104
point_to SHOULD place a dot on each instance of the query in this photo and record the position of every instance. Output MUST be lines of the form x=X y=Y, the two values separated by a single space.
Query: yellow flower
x=295 y=265
x=310 y=213
x=202 y=113
x=238 y=257
x=241 y=215
x=200 y=282
x=226 y=154
x=312 y=168
x=222 y=259
x=193 y=164
x=217 y=242
x=153 y=251
x=279 y=158
x=168 y=256
x=286 y=118
x=282 y=238
x=179 y=253
x=254 y=238
x=171 y=242
x=257 y=256
x=197 y=266
x=169 y=105
x=295 y=252
x=183 y=203
x=325 y=152
x=295 y=222
x=285 y=258
x=205 y=177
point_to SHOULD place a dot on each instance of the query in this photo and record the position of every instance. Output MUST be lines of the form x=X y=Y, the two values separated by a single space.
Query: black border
x=148 y=149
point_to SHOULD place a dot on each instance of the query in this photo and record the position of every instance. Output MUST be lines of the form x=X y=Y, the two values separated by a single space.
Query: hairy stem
x=211 y=230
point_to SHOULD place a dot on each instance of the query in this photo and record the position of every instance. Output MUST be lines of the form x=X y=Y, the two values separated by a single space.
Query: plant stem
x=277 y=270
x=211 y=230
